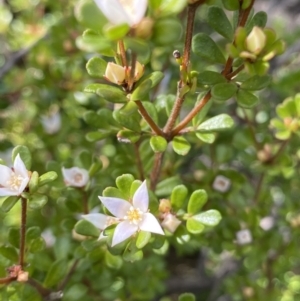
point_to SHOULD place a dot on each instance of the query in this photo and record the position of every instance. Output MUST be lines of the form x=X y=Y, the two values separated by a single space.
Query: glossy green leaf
x=194 y=226
x=14 y=237
x=83 y=227
x=9 y=202
x=113 y=192
x=97 y=135
x=155 y=78
x=259 y=19
x=37 y=201
x=217 y=123
x=34 y=182
x=56 y=272
x=128 y=136
x=128 y=117
x=124 y=183
x=205 y=47
x=210 y=78
x=140 y=47
x=37 y=245
x=256 y=82
x=24 y=153
x=142 y=91
x=206 y=137
x=96 y=67
x=142 y=239
x=113 y=261
x=231 y=4
x=95 y=167
x=223 y=91
x=246 y=99
x=181 y=146
x=187 y=297
x=218 y=20
x=134 y=186
x=9 y=253
x=208 y=218
x=167 y=31
x=47 y=177
x=202 y=114
x=109 y=93
x=33 y=233
x=196 y=201
x=178 y=197
x=165 y=187
x=115 y=32
x=158 y=144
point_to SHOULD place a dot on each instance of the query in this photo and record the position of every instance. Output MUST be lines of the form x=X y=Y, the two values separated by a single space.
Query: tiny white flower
x=221 y=184
x=244 y=237
x=75 y=176
x=14 y=180
x=133 y=216
x=170 y=222
x=267 y=223
x=123 y=11
x=52 y=123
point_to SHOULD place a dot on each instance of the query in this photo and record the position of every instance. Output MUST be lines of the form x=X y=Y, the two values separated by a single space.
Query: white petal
x=75 y=176
x=141 y=198
x=116 y=206
x=97 y=219
x=20 y=168
x=23 y=185
x=113 y=11
x=151 y=224
x=5 y=174
x=123 y=231
x=8 y=192
x=139 y=9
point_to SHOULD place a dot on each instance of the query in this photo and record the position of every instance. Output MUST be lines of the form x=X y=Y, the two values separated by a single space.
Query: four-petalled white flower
x=132 y=217
x=118 y=12
x=14 y=180
x=75 y=176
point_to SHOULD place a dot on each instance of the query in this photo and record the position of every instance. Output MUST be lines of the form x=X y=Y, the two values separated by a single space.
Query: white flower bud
x=75 y=176
x=171 y=222
x=221 y=184
x=267 y=223
x=115 y=73
x=244 y=237
x=256 y=40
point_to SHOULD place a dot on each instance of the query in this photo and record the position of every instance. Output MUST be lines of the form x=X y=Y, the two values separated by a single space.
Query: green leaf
x=259 y=19
x=109 y=93
x=115 y=32
x=165 y=187
x=210 y=78
x=124 y=183
x=24 y=153
x=76 y=292
x=171 y=7
x=218 y=20
x=206 y=137
x=132 y=253
x=142 y=239
x=37 y=201
x=167 y=31
x=56 y=272
x=178 y=197
x=33 y=233
x=155 y=78
x=95 y=167
x=194 y=226
x=187 y=297
x=217 y=123
x=205 y=47
x=113 y=261
x=181 y=146
x=97 y=135
x=113 y=192
x=201 y=115
x=140 y=47
x=151 y=109
x=158 y=144
x=223 y=91
x=134 y=186
x=208 y=218
x=14 y=237
x=9 y=253
x=196 y=201
x=84 y=227
x=96 y=67
x=231 y=4
x=246 y=99
x=9 y=202
x=128 y=136
x=33 y=182
x=142 y=91
x=37 y=245
x=47 y=177
x=256 y=82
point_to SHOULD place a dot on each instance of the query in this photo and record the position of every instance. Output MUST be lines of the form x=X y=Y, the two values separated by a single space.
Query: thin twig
x=156 y=170
x=23 y=231
x=68 y=276
x=43 y=291
x=235 y=72
x=7 y=280
x=122 y=52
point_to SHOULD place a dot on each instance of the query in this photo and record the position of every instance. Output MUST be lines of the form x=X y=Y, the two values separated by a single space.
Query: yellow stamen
x=134 y=215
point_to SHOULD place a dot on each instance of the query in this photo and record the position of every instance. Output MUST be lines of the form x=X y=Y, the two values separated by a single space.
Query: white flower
x=14 y=180
x=100 y=221
x=123 y=11
x=133 y=216
x=171 y=222
x=244 y=237
x=52 y=123
x=221 y=184
x=267 y=223
x=75 y=176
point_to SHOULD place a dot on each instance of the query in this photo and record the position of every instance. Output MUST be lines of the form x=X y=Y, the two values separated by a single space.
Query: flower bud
x=256 y=40
x=164 y=206
x=145 y=28
x=244 y=237
x=171 y=222
x=115 y=73
x=221 y=184
x=75 y=176
x=22 y=276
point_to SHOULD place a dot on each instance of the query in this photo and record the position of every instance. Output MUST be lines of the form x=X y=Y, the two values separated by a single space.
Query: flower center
x=14 y=182
x=134 y=215
x=78 y=178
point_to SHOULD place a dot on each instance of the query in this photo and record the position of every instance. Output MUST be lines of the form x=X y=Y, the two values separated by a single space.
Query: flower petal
x=97 y=219
x=7 y=192
x=151 y=224
x=113 y=11
x=138 y=11
x=116 y=206
x=75 y=176
x=123 y=231
x=5 y=175
x=20 y=168
x=23 y=185
x=141 y=198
